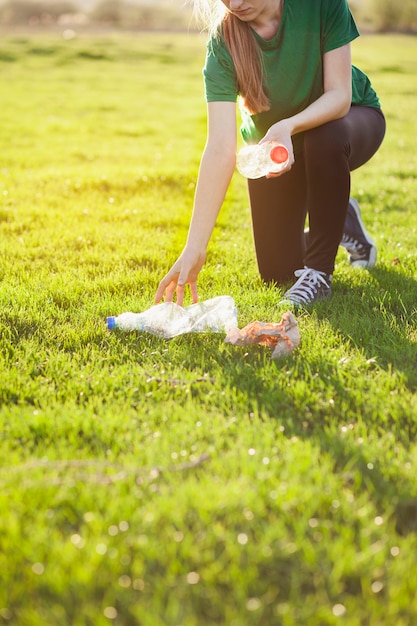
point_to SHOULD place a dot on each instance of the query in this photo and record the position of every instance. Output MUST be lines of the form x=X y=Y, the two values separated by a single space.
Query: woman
x=288 y=63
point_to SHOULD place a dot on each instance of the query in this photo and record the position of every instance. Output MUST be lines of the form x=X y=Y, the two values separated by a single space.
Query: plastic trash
x=258 y=160
x=169 y=320
x=283 y=336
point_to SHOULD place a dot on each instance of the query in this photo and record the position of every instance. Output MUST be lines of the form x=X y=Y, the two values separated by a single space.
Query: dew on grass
x=77 y=540
x=242 y=539
x=125 y=581
x=178 y=536
x=113 y=530
x=290 y=547
x=377 y=586
x=124 y=526
x=379 y=521
x=143 y=540
x=253 y=604
x=251 y=451
x=110 y=612
x=193 y=578
x=138 y=584
x=282 y=608
x=101 y=548
x=313 y=522
x=370 y=466
x=248 y=514
x=38 y=568
x=339 y=610
x=395 y=551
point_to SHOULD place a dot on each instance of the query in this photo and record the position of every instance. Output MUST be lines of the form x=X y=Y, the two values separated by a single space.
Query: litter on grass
x=168 y=320
x=283 y=337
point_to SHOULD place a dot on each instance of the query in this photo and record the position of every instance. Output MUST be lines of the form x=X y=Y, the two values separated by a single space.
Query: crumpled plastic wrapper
x=283 y=336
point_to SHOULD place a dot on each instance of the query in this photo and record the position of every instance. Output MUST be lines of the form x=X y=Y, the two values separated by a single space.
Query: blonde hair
x=246 y=55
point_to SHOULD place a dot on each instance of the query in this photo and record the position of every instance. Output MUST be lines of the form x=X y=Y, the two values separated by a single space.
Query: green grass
x=189 y=482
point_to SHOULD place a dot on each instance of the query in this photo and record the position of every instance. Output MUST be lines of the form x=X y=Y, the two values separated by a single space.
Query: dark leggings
x=318 y=184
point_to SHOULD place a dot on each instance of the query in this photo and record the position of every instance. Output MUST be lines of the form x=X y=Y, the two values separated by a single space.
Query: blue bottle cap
x=111 y=323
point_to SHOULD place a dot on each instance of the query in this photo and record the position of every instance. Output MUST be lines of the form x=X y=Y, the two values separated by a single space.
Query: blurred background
x=371 y=15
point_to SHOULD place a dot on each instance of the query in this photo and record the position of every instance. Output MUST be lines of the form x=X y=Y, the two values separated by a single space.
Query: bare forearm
x=216 y=170
x=337 y=93
x=330 y=106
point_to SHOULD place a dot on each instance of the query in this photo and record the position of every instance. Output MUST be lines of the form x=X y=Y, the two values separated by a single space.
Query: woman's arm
x=337 y=97
x=334 y=103
x=216 y=170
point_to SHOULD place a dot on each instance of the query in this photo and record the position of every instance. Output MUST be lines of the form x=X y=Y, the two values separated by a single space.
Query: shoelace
x=307 y=285
x=353 y=245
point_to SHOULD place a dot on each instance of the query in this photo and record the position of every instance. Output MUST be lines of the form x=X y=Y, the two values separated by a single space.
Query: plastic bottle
x=260 y=159
x=169 y=320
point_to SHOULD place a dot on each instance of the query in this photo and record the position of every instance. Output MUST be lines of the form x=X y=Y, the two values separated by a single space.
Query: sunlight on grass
x=192 y=482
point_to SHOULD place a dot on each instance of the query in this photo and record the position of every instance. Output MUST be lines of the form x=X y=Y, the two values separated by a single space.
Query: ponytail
x=247 y=60
x=243 y=48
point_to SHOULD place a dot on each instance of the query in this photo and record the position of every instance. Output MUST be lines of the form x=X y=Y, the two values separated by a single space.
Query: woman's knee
x=329 y=139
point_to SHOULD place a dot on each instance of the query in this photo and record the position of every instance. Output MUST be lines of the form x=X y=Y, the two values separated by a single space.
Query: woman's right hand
x=216 y=169
x=184 y=272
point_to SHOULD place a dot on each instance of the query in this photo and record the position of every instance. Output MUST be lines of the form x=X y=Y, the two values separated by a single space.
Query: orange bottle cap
x=279 y=154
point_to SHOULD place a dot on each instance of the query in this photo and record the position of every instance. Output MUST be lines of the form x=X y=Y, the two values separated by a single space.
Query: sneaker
x=359 y=245
x=310 y=287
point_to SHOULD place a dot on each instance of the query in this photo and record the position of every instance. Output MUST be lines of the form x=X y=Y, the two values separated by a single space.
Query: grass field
x=189 y=482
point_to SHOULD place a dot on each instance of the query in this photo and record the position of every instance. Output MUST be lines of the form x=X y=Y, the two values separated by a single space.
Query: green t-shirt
x=293 y=61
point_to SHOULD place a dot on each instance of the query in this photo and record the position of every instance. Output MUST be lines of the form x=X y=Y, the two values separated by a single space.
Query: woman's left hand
x=280 y=133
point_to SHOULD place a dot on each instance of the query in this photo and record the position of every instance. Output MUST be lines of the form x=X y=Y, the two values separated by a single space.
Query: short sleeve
x=219 y=74
x=338 y=25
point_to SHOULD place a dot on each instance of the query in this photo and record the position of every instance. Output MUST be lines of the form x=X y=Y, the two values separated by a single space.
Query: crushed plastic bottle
x=283 y=337
x=258 y=160
x=169 y=320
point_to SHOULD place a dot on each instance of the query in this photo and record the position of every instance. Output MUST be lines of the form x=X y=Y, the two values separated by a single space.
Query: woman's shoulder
x=217 y=49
